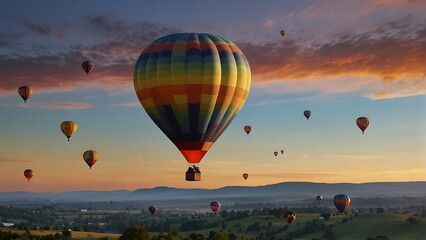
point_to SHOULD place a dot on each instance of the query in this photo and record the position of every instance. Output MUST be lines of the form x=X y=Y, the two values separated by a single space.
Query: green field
x=360 y=227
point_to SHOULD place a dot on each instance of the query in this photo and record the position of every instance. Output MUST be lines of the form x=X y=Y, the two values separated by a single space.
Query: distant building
x=8 y=224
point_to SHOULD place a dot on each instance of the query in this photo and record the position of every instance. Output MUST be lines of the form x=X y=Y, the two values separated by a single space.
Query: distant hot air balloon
x=307 y=114
x=321 y=219
x=90 y=157
x=319 y=199
x=215 y=206
x=68 y=128
x=245 y=176
x=247 y=129
x=87 y=66
x=152 y=209
x=363 y=123
x=289 y=216
x=282 y=151
x=25 y=92
x=282 y=32
x=342 y=202
x=192 y=85
x=275 y=153
x=28 y=173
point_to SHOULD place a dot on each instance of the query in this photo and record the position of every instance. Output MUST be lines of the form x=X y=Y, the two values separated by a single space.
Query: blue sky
x=340 y=59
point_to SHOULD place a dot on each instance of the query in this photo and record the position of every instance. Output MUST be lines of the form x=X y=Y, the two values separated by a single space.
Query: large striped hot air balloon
x=192 y=85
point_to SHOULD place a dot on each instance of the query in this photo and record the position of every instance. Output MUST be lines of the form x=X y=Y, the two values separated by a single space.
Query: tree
x=135 y=232
x=329 y=234
x=380 y=210
x=412 y=220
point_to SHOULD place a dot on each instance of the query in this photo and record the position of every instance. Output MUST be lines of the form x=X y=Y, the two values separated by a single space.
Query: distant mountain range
x=288 y=190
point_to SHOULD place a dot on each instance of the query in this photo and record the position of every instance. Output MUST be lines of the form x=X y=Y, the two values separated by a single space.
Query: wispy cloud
x=43 y=30
x=11 y=160
x=51 y=105
x=128 y=104
x=388 y=58
x=353 y=156
x=285 y=175
x=269 y=23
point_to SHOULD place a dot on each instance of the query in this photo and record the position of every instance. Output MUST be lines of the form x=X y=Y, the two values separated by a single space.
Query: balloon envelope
x=342 y=202
x=25 y=92
x=307 y=114
x=245 y=176
x=275 y=153
x=87 y=66
x=282 y=151
x=363 y=123
x=68 y=128
x=192 y=85
x=215 y=206
x=29 y=173
x=289 y=216
x=282 y=32
x=152 y=209
x=90 y=157
x=319 y=198
x=247 y=129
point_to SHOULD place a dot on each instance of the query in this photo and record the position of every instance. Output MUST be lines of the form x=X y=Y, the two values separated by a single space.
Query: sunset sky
x=339 y=59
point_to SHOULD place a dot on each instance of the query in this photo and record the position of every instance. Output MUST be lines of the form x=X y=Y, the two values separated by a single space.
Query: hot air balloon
x=307 y=114
x=215 y=206
x=152 y=209
x=25 y=92
x=282 y=151
x=245 y=176
x=192 y=85
x=29 y=173
x=247 y=129
x=68 y=128
x=90 y=157
x=319 y=199
x=363 y=123
x=282 y=32
x=321 y=219
x=275 y=153
x=289 y=216
x=87 y=66
x=342 y=202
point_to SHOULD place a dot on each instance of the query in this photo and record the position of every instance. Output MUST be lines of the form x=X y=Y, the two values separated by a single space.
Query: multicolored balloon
x=215 y=206
x=319 y=199
x=342 y=202
x=289 y=216
x=192 y=85
x=25 y=92
x=245 y=176
x=247 y=129
x=363 y=123
x=307 y=114
x=152 y=209
x=87 y=66
x=90 y=157
x=68 y=128
x=29 y=173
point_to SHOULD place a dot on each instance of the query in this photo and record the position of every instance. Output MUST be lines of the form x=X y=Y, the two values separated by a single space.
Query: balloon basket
x=193 y=176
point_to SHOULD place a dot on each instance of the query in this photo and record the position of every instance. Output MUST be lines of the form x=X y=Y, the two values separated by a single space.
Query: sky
x=339 y=59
